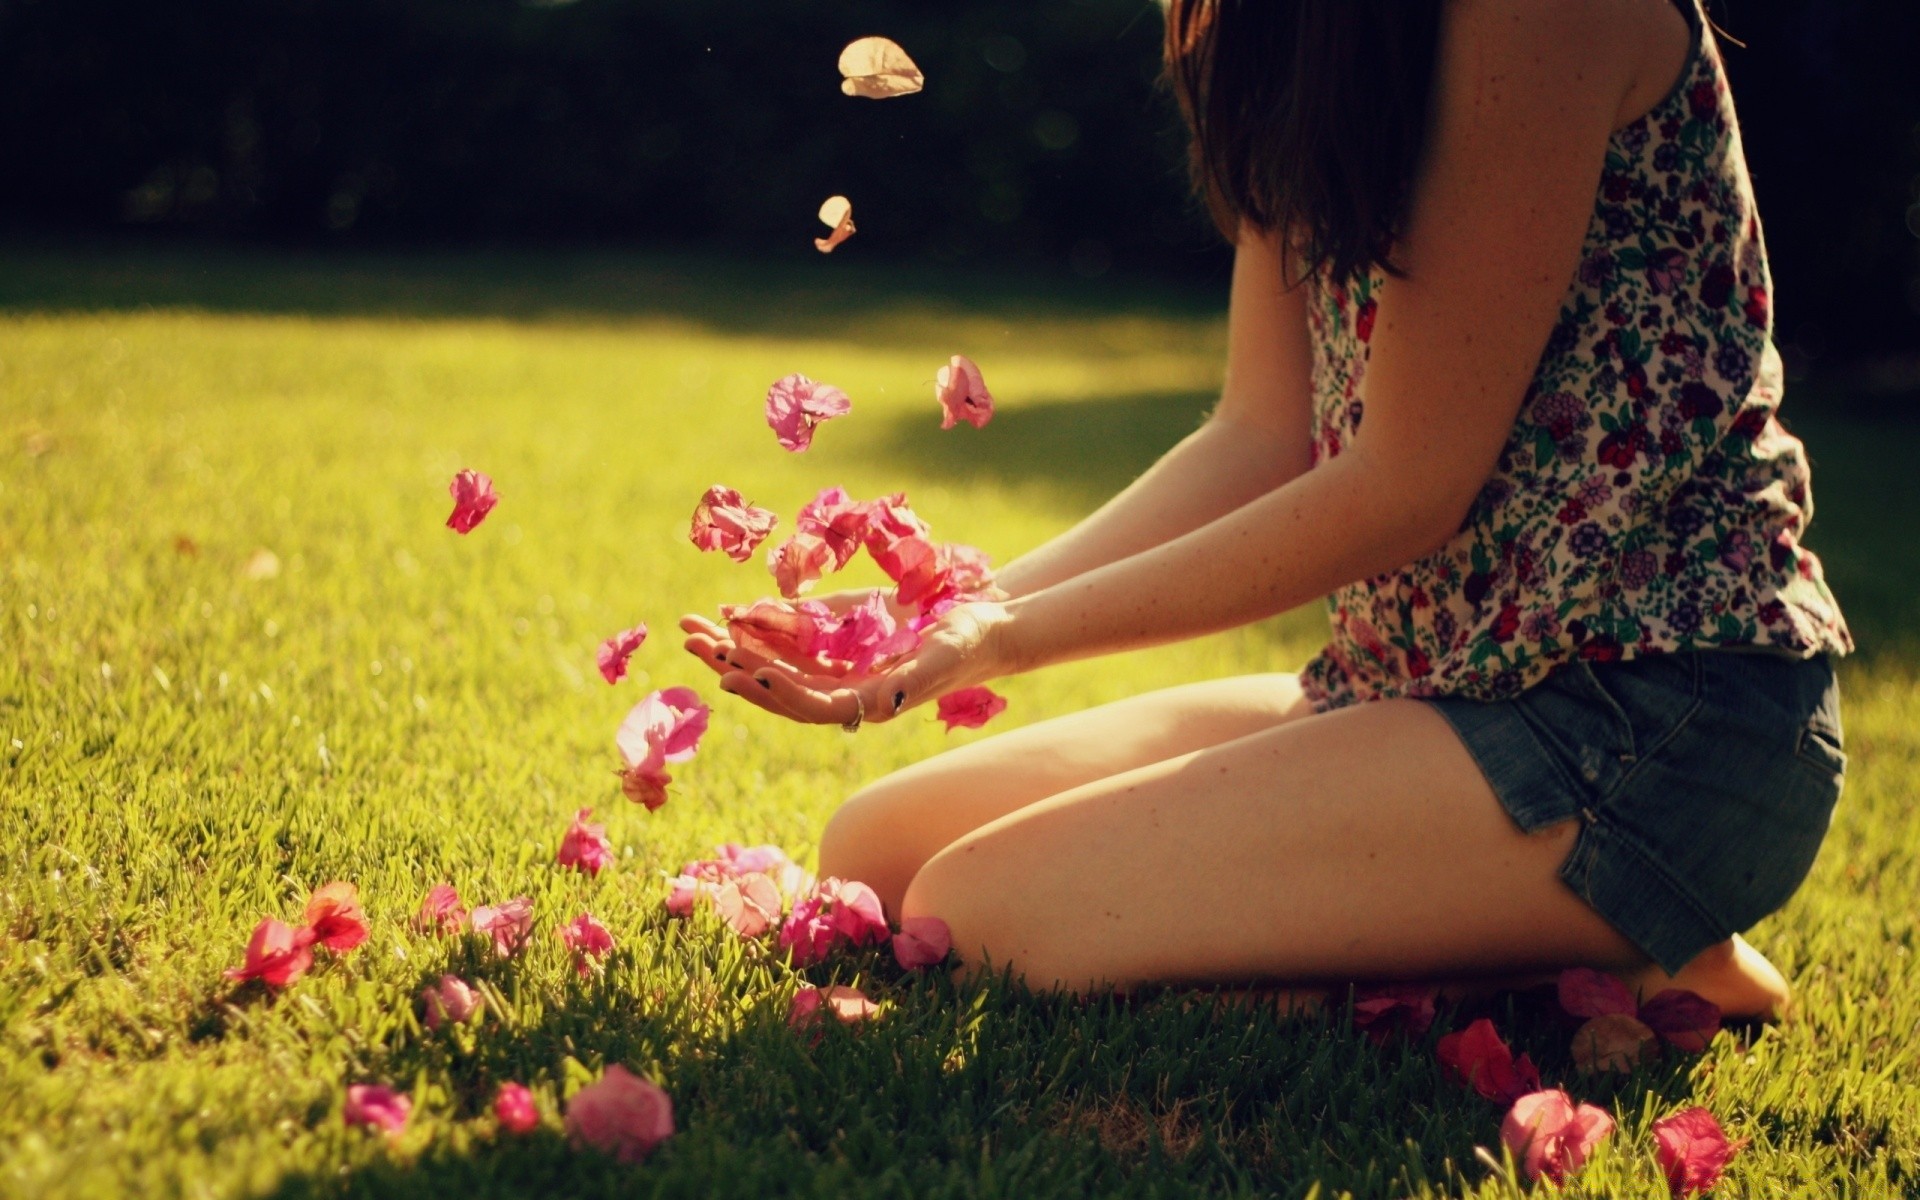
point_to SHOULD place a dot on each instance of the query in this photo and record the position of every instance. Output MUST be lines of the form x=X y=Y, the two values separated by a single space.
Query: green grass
x=184 y=749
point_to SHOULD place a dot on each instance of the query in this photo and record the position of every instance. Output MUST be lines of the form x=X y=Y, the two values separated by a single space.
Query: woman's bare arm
x=1255 y=441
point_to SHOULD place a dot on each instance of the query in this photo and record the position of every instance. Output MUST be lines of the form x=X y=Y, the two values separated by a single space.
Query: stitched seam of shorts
x=1627 y=839
x=1666 y=739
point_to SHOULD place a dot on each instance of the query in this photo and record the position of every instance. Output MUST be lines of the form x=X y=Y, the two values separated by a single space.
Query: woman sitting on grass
x=1499 y=379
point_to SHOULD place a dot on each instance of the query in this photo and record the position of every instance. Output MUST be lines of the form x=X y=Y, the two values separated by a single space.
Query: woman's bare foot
x=1732 y=974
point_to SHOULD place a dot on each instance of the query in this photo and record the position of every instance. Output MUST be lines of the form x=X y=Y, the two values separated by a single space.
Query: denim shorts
x=1703 y=782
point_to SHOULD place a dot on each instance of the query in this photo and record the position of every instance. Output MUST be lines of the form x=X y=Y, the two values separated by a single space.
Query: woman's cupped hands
x=849 y=657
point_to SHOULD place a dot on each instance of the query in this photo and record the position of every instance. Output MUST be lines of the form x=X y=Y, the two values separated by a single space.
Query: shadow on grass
x=797 y=296
x=1087 y=449
x=963 y=1090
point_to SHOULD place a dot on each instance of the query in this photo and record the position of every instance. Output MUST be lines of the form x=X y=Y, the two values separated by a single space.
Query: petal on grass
x=588 y=940
x=376 y=1106
x=878 y=69
x=1380 y=1012
x=1693 y=1150
x=585 y=846
x=1613 y=1042
x=277 y=954
x=451 y=1000
x=507 y=924
x=335 y=916
x=922 y=942
x=620 y=1114
x=513 y=1107
x=1480 y=1058
x=1548 y=1134
x=1585 y=992
x=441 y=911
x=1685 y=1019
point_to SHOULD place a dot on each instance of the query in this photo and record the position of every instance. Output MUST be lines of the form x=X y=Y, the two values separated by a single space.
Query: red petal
x=1585 y=992
x=1685 y=1019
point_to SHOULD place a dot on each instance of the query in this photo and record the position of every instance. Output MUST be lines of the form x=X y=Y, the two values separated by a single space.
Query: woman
x=1577 y=707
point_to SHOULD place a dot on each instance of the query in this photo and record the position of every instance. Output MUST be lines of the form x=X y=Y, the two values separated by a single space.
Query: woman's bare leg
x=888 y=830
x=1358 y=844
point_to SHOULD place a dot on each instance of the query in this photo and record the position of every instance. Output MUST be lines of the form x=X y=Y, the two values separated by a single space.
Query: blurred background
x=1041 y=141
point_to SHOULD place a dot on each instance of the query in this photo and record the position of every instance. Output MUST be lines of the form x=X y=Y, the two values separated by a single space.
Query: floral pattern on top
x=1648 y=499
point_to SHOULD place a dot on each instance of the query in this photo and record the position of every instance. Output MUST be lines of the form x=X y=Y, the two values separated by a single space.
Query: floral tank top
x=1648 y=499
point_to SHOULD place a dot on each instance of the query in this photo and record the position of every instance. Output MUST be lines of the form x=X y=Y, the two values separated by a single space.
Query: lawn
x=190 y=741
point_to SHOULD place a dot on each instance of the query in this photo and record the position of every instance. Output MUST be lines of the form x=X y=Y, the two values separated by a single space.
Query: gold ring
x=859 y=715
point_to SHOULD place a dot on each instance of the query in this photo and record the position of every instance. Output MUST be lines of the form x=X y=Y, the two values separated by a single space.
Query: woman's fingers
x=810 y=704
x=710 y=651
x=760 y=695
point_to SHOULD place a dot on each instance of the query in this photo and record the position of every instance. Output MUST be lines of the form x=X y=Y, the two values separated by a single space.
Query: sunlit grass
x=185 y=747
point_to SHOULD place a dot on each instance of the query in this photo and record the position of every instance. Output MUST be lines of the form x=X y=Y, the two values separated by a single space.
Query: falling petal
x=836 y=214
x=878 y=69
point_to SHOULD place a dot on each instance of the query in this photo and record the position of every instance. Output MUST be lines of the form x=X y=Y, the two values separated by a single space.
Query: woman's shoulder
x=1628 y=52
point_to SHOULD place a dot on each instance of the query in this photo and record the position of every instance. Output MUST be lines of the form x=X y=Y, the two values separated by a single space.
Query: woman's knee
x=869 y=838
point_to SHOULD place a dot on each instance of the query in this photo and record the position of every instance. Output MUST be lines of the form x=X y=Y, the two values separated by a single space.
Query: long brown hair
x=1307 y=116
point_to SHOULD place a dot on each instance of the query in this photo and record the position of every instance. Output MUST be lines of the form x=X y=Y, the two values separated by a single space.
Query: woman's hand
x=966 y=647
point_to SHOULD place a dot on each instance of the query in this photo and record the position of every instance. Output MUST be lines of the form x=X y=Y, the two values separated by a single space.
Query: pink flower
x=950 y=572
x=1614 y=1042
x=335 y=916
x=751 y=904
x=836 y=519
x=441 y=912
x=798 y=563
x=796 y=404
x=473 y=498
x=277 y=954
x=666 y=727
x=589 y=941
x=837 y=910
x=375 y=1106
x=723 y=520
x=1479 y=1058
x=585 y=846
x=1685 y=1019
x=621 y=1114
x=735 y=863
x=1548 y=1134
x=847 y=1004
x=1693 y=1150
x=962 y=394
x=513 y=1108
x=970 y=708
x=778 y=630
x=1379 y=1012
x=922 y=942
x=616 y=650
x=507 y=924
x=862 y=638
x=451 y=1000
x=1585 y=992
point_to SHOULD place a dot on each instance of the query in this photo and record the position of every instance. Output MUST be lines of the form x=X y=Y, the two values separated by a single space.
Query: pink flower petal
x=441 y=911
x=277 y=954
x=589 y=941
x=837 y=215
x=1693 y=1150
x=621 y=1114
x=945 y=573
x=836 y=519
x=970 y=708
x=1380 y=1012
x=584 y=846
x=1614 y=1042
x=1548 y=1134
x=724 y=521
x=796 y=404
x=615 y=651
x=750 y=903
x=375 y=1106
x=962 y=394
x=798 y=563
x=335 y=916
x=1478 y=1057
x=878 y=69
x=451 y=1000
x=473 y=498
x=861 y=639
x=1585 y=992
x=854 y=909
x=848 y=1005
x=507 y=923
x=1685 y=1019
x=513 y=1107
x=666 y=727
x=922 y=942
